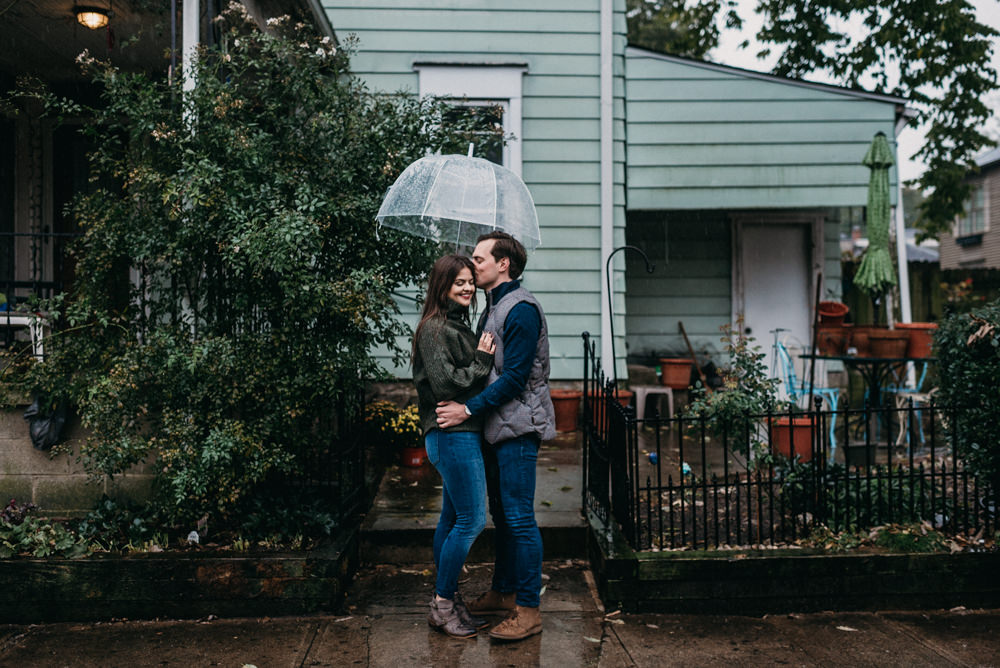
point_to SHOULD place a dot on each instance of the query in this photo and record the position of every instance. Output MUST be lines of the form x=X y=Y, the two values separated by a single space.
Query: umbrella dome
x=875 y=275
x=455 y=198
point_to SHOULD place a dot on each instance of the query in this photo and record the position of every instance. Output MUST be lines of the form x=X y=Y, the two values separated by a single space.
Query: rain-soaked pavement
x=382 y=623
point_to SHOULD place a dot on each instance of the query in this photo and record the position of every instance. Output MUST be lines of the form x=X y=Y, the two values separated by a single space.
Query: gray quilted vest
x=530 y=413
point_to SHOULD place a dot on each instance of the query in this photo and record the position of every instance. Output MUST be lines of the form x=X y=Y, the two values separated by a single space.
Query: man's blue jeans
x=510 y=483
x=458 y=458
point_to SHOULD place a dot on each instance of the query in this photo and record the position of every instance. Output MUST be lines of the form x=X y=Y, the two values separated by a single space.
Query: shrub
x=230 y=281
x=747 y=392
x=967 y=346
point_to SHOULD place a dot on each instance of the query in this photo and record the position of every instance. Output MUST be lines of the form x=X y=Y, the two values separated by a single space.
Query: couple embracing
x=485 y=408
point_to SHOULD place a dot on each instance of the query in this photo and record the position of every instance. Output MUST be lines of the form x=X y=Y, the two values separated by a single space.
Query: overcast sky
x=729 y=53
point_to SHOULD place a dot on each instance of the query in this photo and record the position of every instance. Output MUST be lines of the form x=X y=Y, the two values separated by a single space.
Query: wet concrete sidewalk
x=383 y=625
x=382 y=622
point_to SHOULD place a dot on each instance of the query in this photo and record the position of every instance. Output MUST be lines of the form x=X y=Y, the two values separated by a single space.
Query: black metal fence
x=673 y=482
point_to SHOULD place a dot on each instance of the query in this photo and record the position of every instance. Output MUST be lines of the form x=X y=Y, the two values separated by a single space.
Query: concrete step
x=400 y=527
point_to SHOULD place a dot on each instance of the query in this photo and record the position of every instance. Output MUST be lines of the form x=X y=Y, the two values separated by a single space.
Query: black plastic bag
x=45 y=430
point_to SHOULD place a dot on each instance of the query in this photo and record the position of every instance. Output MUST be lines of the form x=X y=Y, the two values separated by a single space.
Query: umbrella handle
x=471 y=146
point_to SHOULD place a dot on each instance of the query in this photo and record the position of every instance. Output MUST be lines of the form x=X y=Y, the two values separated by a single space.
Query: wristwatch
x=467 y=411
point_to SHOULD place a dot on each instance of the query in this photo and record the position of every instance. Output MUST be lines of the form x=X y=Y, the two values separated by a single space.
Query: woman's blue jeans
x=510 y=481
x=459 y=459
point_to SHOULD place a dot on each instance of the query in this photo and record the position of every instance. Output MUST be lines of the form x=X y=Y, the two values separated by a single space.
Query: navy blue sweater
x=520 y=338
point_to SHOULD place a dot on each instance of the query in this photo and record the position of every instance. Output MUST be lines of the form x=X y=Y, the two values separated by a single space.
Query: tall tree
x=934 y=53
x=674 y=26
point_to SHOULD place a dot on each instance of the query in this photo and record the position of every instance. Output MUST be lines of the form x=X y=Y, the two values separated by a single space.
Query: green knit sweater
x=448 y=367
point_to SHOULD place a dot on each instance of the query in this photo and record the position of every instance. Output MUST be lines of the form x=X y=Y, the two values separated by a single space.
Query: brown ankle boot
x=492 y=602
x=523 y=622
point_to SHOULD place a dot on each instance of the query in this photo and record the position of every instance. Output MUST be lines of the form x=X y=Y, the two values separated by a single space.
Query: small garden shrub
x=967 y=346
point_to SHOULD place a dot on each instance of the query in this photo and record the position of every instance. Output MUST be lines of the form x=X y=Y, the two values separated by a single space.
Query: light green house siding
x=701 y=136
x=558 y=42
x=705 y=142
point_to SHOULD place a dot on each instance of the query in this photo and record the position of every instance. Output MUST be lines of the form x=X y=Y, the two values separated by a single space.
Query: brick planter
x=176 y=585
x=780 y=581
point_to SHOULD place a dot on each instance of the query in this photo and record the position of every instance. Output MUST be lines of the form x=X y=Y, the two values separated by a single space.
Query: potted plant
x=398 y=429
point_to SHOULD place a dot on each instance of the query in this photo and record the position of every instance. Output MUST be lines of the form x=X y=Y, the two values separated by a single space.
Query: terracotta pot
x=860 y=341
x=624 y=397
x=792 y=436
x=412 y=457
x=567 y=407
x=889 y=342
x=921 y=338
x=676 y=372
x=832 y=313
x=831 y=339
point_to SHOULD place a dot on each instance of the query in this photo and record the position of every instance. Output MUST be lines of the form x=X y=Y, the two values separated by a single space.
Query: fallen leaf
x=543 y=590
x=546 y=502
x=652 y=626
x=616 y=621
x=588 y=638
x=553 y=468
x=566 y=488
x=613 y=614
x=846 y=628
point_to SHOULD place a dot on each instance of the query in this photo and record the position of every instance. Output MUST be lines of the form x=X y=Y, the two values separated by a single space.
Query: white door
x=775 y=283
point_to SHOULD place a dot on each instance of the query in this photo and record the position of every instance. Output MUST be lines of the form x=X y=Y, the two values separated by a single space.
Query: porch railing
x=670 y=483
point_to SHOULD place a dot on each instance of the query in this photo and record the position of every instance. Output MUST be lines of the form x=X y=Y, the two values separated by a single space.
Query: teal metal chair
x=797 y=390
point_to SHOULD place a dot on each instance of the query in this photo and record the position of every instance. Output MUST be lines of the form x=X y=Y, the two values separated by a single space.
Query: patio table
x=875 y=371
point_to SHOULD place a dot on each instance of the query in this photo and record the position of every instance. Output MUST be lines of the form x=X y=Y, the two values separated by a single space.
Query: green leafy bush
x=23 y=534
x=747 y=393
x=967 y=346
x=231 y=283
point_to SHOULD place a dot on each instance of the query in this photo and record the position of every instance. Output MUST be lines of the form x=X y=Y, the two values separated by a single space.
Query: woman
x=449 y=365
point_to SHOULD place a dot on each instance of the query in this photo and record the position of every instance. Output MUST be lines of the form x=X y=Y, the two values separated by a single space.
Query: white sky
x=911 y=139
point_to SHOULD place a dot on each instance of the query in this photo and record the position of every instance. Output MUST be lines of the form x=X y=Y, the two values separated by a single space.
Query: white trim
x=190 y=37
x=479 y=84
x=607 y=180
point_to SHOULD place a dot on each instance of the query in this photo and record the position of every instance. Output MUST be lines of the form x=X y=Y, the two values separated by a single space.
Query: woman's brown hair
x=443 y=274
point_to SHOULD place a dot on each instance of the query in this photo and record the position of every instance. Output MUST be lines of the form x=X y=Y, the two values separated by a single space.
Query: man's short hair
x=506 y=246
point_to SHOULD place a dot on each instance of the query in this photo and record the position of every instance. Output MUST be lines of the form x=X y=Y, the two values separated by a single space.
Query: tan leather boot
x=523 y=622
x=492 y=602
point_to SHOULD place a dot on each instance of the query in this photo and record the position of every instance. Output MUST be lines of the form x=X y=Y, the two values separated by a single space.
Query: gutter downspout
x=607 y=178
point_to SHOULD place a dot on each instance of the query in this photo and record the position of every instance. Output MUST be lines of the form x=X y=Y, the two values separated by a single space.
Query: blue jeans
x=458 y=458
x=510 y=483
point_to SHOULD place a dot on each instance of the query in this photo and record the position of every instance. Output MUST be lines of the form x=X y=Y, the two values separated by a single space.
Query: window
x=487 y=119
x=973 y=221
x=485 y=85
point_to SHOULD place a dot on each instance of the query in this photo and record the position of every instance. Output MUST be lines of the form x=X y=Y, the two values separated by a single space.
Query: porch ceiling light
x=92 y=17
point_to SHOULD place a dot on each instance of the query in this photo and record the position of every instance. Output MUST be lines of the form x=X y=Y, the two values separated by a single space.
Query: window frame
x=474 y=84
x=963 y=226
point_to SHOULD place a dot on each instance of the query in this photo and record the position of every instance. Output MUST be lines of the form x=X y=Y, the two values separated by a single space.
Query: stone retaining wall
x=57 y=484
x=781 y=581
x=177 y=585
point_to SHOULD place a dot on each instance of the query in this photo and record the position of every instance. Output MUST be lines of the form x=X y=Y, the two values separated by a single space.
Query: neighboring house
x=732 y=181
x=974 y=242
x=42 y=165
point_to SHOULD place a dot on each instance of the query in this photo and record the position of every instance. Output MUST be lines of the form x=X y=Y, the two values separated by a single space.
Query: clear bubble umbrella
x=455 y=198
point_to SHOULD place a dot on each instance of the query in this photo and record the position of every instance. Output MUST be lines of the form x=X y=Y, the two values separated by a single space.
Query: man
x=518 y=416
